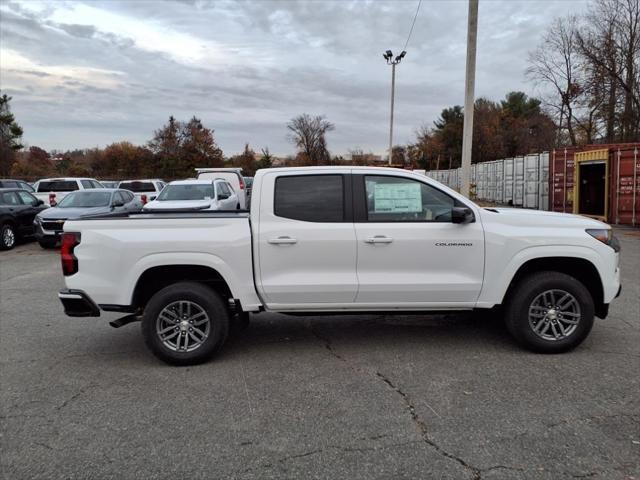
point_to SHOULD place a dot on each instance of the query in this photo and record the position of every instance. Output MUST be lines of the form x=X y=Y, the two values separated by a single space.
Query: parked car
x=52 y=190
x=331 y=240
x=49 y=223
x=18 y=208
x=231 y=175
x=196 y=194
x=146 y=190
x=10 y=183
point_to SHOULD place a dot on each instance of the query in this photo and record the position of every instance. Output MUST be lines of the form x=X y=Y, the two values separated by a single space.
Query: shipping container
x=600 y=181
x=518 y=183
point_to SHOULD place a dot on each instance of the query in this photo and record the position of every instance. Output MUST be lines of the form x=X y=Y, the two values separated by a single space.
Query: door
x=23 y=212
x=410 y=254
x=592 y=193
x=226 y=200
x=306 y=241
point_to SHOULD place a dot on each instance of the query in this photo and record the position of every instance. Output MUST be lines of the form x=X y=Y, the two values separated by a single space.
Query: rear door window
x=9 y=198
x=310 y=198
x=58 y=186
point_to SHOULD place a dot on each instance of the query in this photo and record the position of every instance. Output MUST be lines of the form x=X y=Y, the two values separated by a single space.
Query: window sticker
x=397 y=198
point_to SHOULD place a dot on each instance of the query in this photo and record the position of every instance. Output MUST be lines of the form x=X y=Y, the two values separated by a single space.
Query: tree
x=610 y=45
x=246 y=160
x=398 y=155
x=125 y=160
x=449 y=132
x=36 y=164
x=309 y=135
x=266 y=160
x=556 y=64
x=488 y=140
x=179 y=148
x=10 y=135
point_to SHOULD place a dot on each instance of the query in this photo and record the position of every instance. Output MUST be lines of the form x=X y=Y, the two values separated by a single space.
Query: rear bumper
x=77 y=303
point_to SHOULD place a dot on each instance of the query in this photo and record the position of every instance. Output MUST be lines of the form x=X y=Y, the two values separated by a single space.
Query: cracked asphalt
x=358 y=397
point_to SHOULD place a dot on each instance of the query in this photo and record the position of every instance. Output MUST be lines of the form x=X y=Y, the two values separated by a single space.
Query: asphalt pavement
x=354 y=397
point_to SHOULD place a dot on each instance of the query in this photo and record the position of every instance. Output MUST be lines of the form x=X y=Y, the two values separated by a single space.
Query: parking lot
x=366 y=396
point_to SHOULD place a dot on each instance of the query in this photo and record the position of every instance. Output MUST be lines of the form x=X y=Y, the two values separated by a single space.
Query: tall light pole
x=467 y=132
x=388 y=56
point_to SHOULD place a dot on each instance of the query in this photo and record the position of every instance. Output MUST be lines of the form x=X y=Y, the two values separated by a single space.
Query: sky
x=89 y=73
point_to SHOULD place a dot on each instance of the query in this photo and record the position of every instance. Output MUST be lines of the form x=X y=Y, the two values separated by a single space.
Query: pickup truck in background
x=332 y=240
x=52 y=190
x=146 y=190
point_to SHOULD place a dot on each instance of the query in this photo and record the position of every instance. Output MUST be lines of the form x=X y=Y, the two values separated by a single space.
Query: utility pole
x=467 y=133
x=388 y=56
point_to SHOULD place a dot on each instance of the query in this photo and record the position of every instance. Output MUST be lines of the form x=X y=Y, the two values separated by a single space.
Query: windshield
x=86 y=200
x=186 y=192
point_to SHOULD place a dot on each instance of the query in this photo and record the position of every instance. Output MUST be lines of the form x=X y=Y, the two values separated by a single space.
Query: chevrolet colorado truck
x=336 y=240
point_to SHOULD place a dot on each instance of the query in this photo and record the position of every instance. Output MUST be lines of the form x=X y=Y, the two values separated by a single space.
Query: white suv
x=146 y=190
x=231 y=175
x=52 y=190
x=196 y=194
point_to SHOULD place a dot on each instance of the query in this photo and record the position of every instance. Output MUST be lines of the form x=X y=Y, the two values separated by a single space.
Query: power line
x=412 y=24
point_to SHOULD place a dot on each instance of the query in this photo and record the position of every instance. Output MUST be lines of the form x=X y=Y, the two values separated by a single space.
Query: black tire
x=47 y=243
x=203 y=297
x=524 y=300
x=8 y=237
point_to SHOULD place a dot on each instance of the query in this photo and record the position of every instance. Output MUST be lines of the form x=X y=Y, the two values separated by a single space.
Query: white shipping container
x=509 y=181
x=531 y=181
x=518 y=184
x=499 y=181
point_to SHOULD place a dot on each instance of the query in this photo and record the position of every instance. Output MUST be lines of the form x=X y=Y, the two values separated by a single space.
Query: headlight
x=605 y=235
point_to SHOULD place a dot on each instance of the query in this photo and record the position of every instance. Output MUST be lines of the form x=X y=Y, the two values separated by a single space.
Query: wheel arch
x=155 y=278
x=579 y=268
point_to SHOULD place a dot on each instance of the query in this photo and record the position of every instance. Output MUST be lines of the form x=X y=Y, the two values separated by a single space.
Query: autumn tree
x=10 y=136
x=308 y=133
x=36 y=164
x=125 y=160
x=246 y=161
x=448 y=129
x=179 y=148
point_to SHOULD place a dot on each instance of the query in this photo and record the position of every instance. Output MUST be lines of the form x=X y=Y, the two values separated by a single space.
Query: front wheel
x=7 y=237
x=185 y=323
x=550 y=312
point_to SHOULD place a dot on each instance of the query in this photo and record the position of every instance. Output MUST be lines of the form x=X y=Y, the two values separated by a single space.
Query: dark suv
x=17 y=211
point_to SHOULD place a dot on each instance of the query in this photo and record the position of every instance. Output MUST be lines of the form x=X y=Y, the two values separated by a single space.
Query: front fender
x=498 y=278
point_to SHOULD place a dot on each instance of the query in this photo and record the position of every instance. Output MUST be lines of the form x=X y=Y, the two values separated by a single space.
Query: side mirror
x=39 y=202
x=462 y=215
x=117 y=203
x=222 y=196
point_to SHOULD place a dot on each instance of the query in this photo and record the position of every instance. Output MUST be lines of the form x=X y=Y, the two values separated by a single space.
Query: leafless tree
x=610 y=44
x=556 y=64
x=308 y=133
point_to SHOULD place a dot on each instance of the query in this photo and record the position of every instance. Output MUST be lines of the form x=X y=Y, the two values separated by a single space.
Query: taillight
x=52 y=199
x=143 y=198
x=69 y=261
x=241 y=184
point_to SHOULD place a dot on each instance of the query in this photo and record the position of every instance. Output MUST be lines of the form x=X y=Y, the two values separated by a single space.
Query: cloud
x=94 y=72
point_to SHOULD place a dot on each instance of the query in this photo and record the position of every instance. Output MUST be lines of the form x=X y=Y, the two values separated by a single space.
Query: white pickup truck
x=331 y=240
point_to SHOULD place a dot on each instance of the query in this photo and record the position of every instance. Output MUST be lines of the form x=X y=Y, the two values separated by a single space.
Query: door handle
x=282 y=241
x=379 y=239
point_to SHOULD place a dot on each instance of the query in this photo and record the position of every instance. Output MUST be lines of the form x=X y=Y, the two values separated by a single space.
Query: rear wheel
x=550 y=312
x=7 y=237
x=185 y=323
